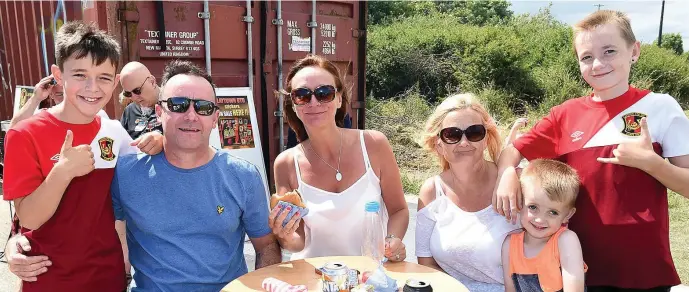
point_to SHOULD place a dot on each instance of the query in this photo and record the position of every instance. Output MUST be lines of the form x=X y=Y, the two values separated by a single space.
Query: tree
x=672 y=42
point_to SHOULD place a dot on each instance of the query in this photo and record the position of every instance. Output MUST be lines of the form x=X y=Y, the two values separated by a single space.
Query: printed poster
x=234 y=123
x=21 y=96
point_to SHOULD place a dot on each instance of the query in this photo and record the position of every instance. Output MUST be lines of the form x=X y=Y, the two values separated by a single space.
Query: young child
x=545 y=255
x=617 y=139
x=59 y=165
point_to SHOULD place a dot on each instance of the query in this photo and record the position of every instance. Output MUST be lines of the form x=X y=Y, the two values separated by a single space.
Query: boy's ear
x=636 y=51
x=57 y=73
x=117 y=80
x=571 y=213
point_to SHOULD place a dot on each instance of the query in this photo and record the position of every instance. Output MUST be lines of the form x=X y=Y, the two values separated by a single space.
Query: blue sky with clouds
x=644 y=14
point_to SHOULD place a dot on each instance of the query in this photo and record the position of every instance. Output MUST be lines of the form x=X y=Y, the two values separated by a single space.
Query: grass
x=403 y=117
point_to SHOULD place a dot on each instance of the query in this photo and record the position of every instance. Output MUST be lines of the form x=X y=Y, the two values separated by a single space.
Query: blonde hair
x=559 y=180
x=602 y=17
x=456 y=103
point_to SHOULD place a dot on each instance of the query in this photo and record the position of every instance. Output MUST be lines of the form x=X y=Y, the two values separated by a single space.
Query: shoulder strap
x=295 y=156
x=367 y=163
x=438 y=187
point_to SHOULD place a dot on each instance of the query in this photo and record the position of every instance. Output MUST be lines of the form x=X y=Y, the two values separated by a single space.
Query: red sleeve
x=22 y=171
x=541 y=140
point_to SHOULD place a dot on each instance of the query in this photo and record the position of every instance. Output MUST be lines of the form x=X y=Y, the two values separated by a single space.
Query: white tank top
x=334 y=225
x=467 y=245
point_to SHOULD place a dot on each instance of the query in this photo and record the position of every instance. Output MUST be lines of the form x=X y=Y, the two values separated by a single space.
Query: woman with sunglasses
x=336 y=170
x=457 y=230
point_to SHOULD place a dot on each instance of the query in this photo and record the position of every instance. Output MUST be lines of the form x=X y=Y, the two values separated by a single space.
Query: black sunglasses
x=453 y=135
x=181 y=105
x=323 y=93
x=136 y=91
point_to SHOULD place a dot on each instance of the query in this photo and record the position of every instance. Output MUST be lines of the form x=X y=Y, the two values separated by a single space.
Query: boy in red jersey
x=59 y=164
x=617 y=139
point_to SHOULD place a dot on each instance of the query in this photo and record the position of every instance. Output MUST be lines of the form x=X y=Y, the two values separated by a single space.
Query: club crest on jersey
x=220 y=209
x=632 y=124
x=105 y=145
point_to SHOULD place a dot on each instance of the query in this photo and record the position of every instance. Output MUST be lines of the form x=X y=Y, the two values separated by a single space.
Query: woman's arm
x=383 y=159
x=291 y=237
x=425 y=226
x=572 y=262
x=390 y=182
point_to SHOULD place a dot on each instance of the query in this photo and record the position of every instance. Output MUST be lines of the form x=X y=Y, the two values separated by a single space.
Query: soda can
x=335 y=277
x=414 y=285
x=352 y=278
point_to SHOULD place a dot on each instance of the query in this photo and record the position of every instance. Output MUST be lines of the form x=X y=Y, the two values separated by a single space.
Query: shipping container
x=242 y=43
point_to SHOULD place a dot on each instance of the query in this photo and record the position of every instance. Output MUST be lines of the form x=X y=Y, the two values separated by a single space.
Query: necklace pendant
x=338 y=176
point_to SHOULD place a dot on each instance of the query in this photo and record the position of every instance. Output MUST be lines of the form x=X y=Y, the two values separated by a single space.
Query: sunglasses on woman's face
x=453 y=135
x=323 y=93
x=181 y=105
x=136 y=91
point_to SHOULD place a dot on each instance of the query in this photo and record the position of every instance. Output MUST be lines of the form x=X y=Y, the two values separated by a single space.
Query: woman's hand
x=394 y=249
x=275 y=222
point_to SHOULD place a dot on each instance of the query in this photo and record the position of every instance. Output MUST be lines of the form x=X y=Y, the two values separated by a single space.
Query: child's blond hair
x=603 y=17
x=559 y=180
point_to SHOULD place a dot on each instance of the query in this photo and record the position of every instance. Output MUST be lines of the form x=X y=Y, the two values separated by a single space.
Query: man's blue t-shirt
x=186 y=227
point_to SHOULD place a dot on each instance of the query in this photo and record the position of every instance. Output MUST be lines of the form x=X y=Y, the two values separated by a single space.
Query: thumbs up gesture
x=76 y=161
x=637 y=153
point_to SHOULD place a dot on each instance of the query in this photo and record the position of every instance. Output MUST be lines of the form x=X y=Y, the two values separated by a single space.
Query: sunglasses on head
x=181 y=105
x=136 y=91
x=323 y=93
x=453 y=135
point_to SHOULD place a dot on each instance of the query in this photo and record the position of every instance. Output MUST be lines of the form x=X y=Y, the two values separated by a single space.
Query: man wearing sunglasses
x=188 y=209
x=140 y=86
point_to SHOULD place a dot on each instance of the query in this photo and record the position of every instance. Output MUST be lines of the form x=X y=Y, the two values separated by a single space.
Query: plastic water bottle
x=373 y=245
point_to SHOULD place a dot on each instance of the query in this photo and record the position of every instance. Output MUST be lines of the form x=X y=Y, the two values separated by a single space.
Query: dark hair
x=321 y=62
x=179 y=67
x=77 y=40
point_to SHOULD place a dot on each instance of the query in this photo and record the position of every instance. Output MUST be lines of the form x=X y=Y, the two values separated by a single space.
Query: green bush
x=523 y=67
x=664 y=71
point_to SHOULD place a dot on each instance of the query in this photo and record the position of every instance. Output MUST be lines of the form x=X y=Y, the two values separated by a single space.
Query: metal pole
x=281 y=97
x=44 y=50
x=207 y=35
x=64 y=11
x=660 y=31
x=313 y=26
x=249 y=40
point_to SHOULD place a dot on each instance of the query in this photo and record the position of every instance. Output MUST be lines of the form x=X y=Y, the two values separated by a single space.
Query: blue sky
x=644 y=14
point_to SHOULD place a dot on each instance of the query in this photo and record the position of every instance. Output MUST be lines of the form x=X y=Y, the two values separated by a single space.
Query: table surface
x=303 y=272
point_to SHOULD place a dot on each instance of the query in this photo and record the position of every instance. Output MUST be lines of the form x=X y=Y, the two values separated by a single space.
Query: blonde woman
x=457 y=230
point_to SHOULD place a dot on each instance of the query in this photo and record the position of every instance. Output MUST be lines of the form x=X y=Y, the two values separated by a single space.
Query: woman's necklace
x=338 y=174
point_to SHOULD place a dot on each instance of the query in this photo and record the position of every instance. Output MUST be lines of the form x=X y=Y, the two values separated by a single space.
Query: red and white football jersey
x=80 y=238
x=622 y=212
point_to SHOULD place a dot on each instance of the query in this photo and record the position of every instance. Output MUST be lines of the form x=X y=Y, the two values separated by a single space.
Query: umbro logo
x=55 y=157
x=576 y=136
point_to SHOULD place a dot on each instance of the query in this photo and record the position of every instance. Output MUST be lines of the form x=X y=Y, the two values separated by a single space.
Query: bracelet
x=390 y=236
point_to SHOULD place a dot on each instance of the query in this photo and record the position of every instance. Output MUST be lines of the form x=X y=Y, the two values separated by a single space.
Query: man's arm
x=267 y=251
x=121 y=228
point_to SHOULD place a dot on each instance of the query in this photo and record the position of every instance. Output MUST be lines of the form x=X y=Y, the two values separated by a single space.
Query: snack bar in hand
x=292 y=199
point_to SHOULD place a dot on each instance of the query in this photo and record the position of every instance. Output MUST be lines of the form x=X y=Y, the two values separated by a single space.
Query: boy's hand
x=149 y=143
x=507 y=196
x=76 y=161
x=26 y=268
x=638 y=153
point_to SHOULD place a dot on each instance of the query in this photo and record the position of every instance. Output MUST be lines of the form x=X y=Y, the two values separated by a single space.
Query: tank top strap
x=295 y=156
x=516 y=252
x=553 y=243
x=367 y=162
x=438 y=187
